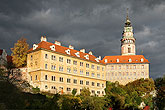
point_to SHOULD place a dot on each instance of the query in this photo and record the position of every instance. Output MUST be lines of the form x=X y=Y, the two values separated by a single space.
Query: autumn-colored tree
x=19 y=52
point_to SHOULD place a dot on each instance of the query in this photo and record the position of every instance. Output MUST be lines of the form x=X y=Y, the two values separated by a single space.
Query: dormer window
x=141 y=59
x=52 y=47
x=77 y=54
x=34 y=46
x=130 y=60
x=105 y=60
x=67 y=51
x=87 y=57
x=117 y=60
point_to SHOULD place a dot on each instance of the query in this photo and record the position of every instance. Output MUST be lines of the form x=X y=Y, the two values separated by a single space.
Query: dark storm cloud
x=95 y=25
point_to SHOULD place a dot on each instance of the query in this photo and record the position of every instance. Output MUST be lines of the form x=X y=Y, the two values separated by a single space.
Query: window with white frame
x=81 y=71
x=81 y=63
x=69 y=61
x=87 y=65
x=98 y=75
x=69 y=70
x=87 y=73
x=75 y=70
x=60 y=59
x=61 y=68
x=92 y=66
x=93 y=74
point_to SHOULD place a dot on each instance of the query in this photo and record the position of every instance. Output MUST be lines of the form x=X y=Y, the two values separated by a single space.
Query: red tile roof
x=61 y=49
x=125 y=59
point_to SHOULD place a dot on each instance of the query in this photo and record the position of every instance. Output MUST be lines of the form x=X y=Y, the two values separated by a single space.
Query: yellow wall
x=36 y=66
x=118 y=72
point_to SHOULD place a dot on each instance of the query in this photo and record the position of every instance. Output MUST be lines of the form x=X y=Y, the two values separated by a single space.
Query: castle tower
x=128 y=40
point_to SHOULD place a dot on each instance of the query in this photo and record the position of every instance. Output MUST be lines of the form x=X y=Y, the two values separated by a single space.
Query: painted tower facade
x=128 y=40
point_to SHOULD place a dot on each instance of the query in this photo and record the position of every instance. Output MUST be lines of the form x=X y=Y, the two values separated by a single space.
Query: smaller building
x=125 y=69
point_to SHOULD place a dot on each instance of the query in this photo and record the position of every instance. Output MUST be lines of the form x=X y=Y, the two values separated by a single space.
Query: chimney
x=71 y=47
x=82 y=50
x=90 y=53
x=99 y=57
x=43 y=38
x=57 y=43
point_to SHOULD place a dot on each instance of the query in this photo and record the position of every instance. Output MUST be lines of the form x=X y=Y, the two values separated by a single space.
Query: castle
x=55 y=68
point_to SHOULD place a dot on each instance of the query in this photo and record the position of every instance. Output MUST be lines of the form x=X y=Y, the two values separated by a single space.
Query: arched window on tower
x=129 y=50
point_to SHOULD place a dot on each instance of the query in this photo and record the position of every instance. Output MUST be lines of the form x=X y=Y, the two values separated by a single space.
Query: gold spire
x=128 y=22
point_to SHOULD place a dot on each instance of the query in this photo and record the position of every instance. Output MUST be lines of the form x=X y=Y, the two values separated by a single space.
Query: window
x=68 y=69
x=61 y=79
x=98 y=84
x=36 y=77
x=53 y=57
x=129 y=50
x=98 y=67
x=93 y=84
x=53 y=67
x=93 y=74
x=75 y=70
x=81 y=82
x=46 y=56
x=117 y=60
x=102 y=85
x=53 y=78
x=119 y=73
x=60 y=68
x=68 y=80
x=87 y=73
x=134 y=73
x=93 y=91
x=31 y=57
x=75 y=81
x=112 y=74
x=46 y=87
x=130 y=60
x=93 y=66
x=61 y=59
x=87 y=82
x=46 y=77
x=142 y=73
x=75 y=62
x=31 y=78
x=68 y=61
x=103 y=75
x=68 y=89
x=134 y=66
x=142 y=66
x=98 y=75
x=102 y=68
x=46 y=66
x=81 y=63
x=81 y=72
x=112 y=67
x=119 y=67
x=127 y=73
x=103 y=92
x=87 y=65
x=53 y=87
x=127 y=66
x=98 y=92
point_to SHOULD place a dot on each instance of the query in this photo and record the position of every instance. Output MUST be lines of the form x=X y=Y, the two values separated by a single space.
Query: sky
x=95 y=25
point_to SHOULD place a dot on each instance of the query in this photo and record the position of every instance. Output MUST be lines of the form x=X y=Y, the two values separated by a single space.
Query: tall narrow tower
x=128 y=40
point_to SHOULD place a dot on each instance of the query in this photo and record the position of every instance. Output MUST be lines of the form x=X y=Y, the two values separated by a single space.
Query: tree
x=85 y=92
x=19 y=52
x=160 y=87
x=74 y=91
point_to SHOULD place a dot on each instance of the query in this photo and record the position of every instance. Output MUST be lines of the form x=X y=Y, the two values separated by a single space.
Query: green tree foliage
x=129 y=96
x=74 y=91
x=160 y=87
x=19 y=52
x=68 y=102
x=85 y=92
